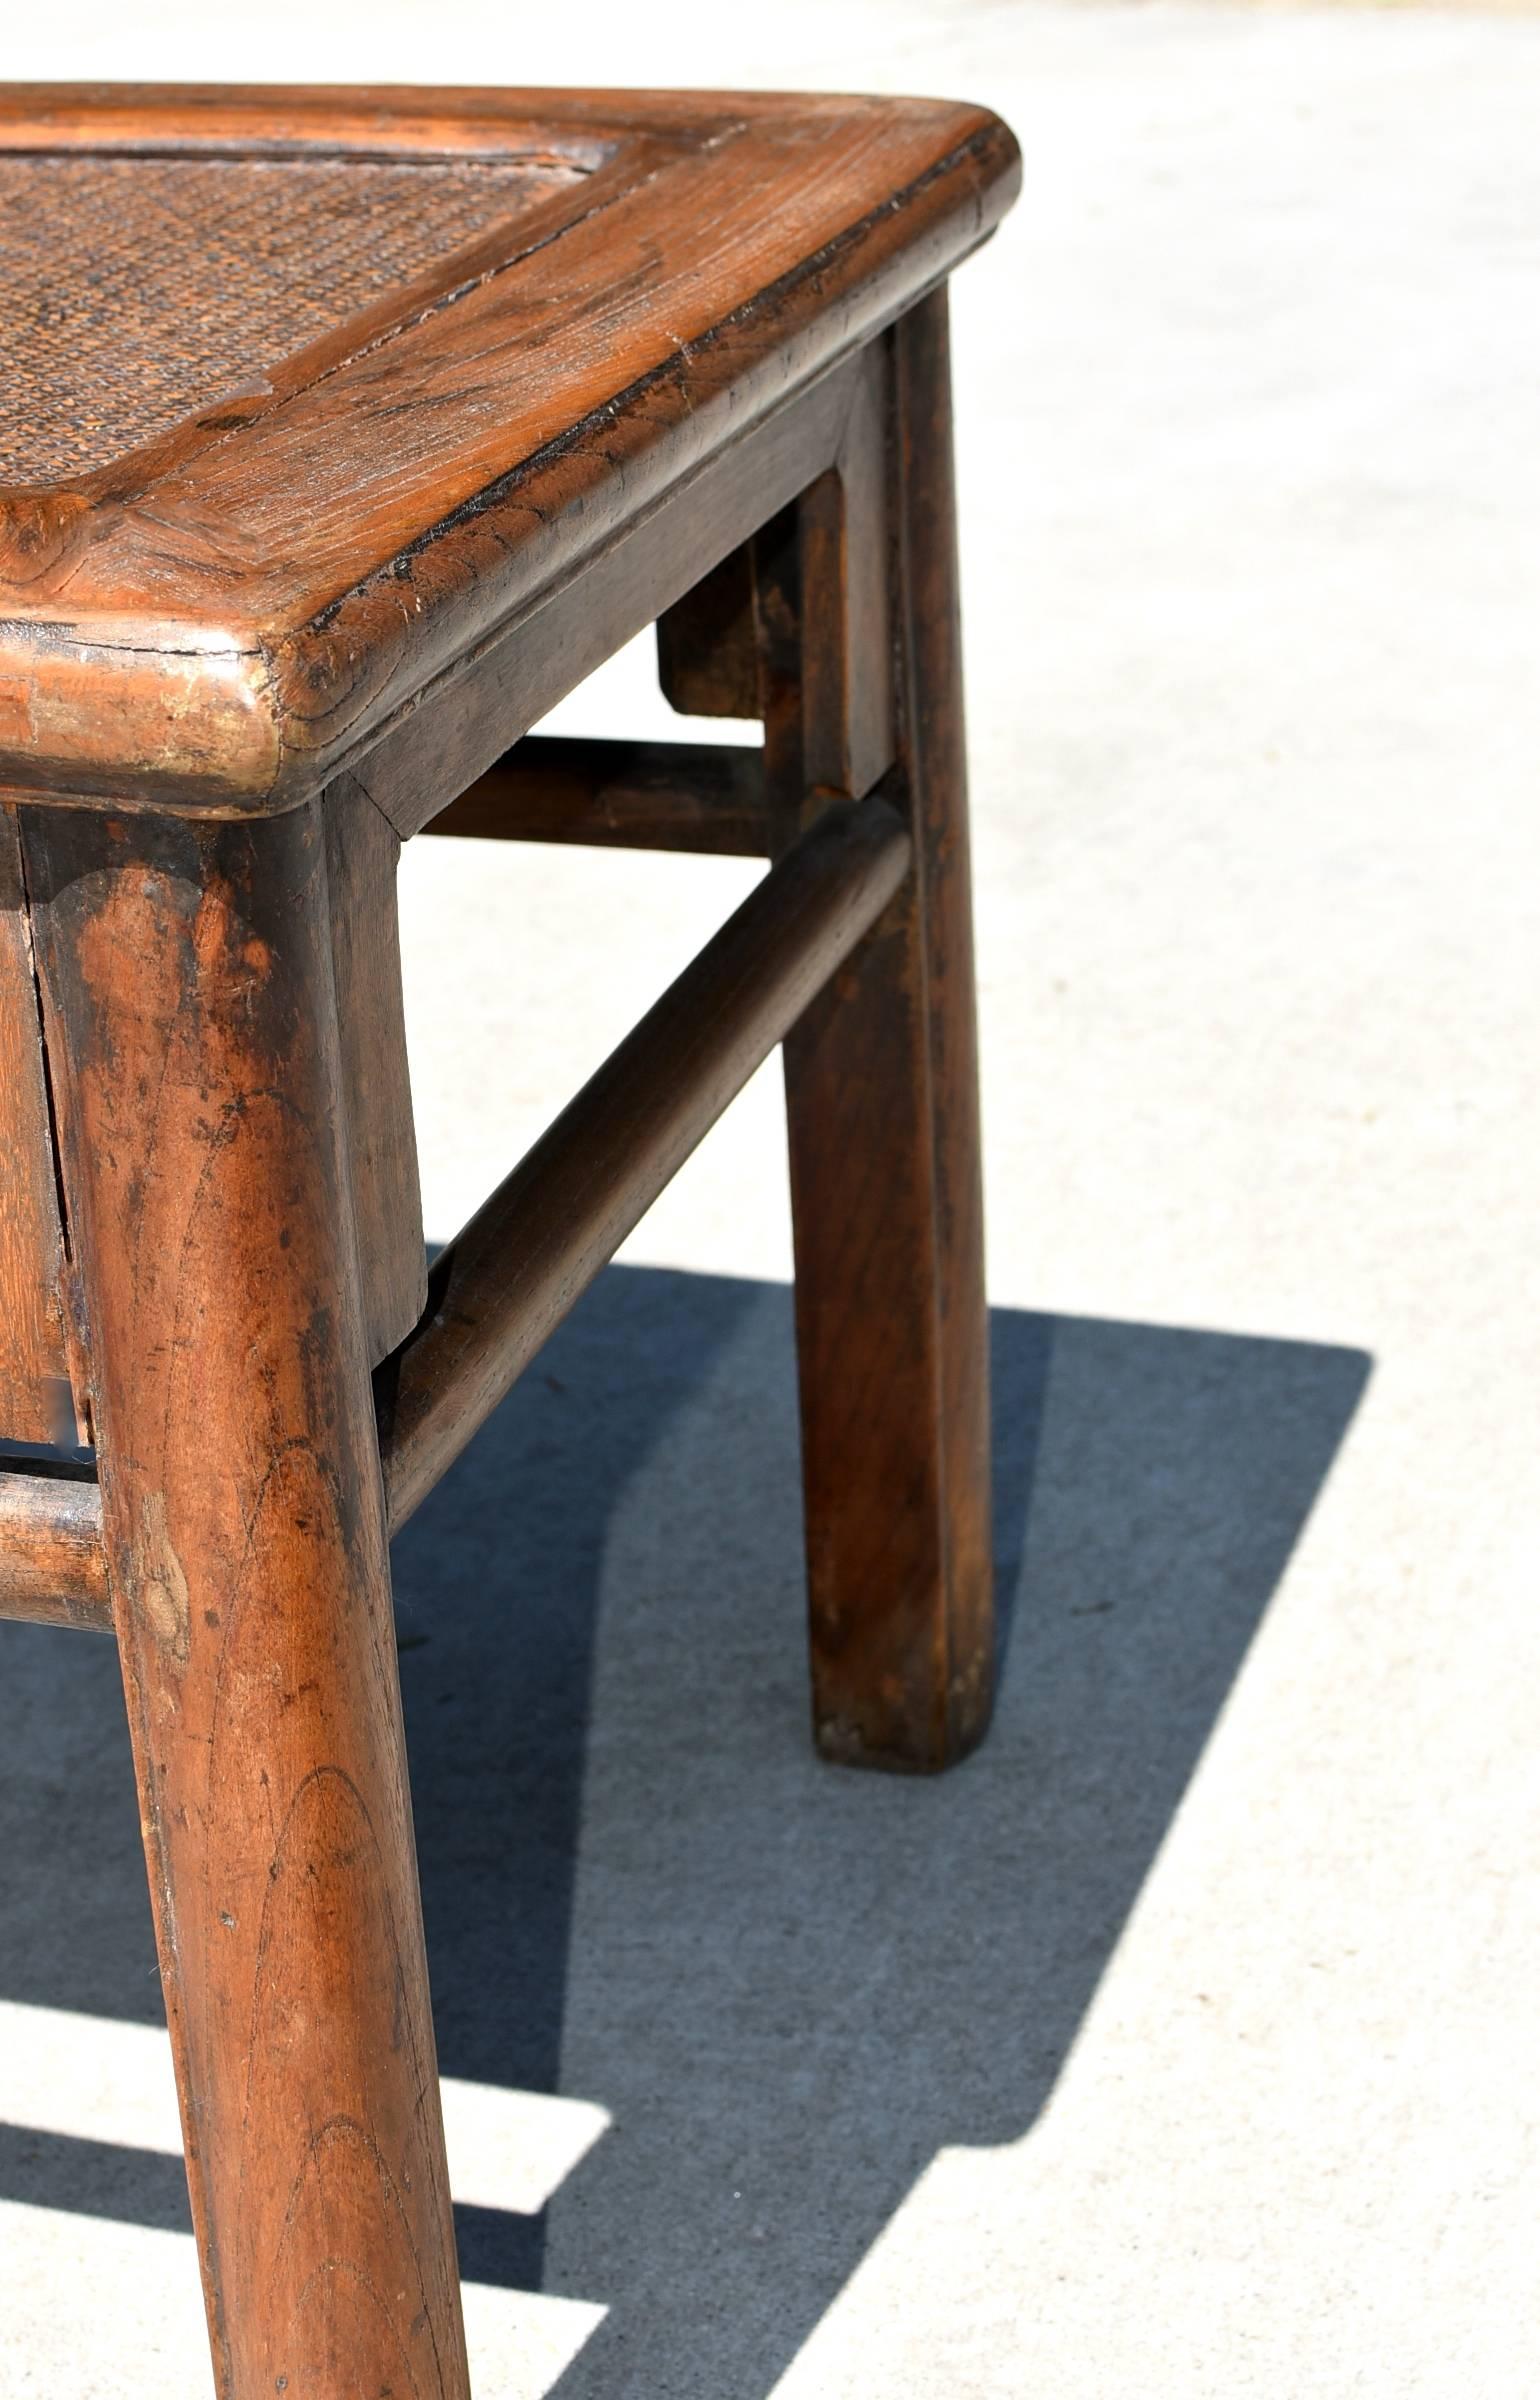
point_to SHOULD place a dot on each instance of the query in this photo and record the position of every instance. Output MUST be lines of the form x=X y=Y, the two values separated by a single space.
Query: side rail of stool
x=526 y=1257
x=620 y=795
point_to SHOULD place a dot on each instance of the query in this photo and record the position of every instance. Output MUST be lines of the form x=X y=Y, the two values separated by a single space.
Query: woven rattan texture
x=135 y=290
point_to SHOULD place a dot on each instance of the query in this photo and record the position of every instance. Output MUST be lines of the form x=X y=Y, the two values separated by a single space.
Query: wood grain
x=483 y=703
x=35 y=1401
x=933 y=755
x=532 y=1249
x=363 y=528
x=251 y=639
x=191 y=1020
x=882 y=1102
x=362 y=854
x=618 y=795
x=708 y=660
x=53 y=1566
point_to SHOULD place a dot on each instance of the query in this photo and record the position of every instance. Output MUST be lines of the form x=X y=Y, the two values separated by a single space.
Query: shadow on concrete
x=790 y=1985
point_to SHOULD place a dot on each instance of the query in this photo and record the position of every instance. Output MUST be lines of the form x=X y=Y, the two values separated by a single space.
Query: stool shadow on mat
x=789 y=1985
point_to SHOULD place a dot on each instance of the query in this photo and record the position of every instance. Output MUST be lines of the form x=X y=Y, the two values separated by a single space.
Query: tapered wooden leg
x=882 y=1092
x=191 y=1029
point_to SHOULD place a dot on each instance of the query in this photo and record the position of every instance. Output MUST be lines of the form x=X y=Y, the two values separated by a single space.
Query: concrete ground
x=1183 y=2043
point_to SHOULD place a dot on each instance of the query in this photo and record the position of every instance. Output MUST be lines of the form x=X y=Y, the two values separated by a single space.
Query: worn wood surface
x=933 y=754
x=268 y=605
x=362 y=853
x=503 y=1285
x=465 y=722
x=35 y=1396
x=708 y=659
x=225 y=618
x=533 y=1248
x=618 y=795
x=53 y=1567
x=845 y=532
x=191 y=1021
x=882 y=1099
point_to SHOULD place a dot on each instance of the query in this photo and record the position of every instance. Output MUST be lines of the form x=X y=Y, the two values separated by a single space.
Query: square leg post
x=192 y=1036
x=857 y=610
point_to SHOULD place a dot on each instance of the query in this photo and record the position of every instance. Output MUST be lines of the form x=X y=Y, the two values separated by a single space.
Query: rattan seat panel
x=134 y=290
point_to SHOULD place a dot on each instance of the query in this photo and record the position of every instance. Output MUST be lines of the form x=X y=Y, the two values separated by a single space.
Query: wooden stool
x=341 y=434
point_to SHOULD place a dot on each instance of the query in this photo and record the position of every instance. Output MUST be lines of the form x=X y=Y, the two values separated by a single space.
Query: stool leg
x=192 y=1032
x=882 y=1098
